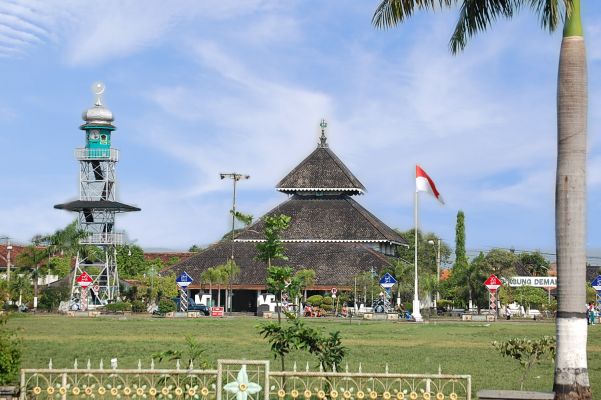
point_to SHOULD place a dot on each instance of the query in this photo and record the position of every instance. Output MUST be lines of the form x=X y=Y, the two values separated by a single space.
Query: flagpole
x=416 y=312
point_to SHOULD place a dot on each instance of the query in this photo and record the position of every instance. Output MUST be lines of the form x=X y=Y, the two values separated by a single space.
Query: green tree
x=20 y=287
x=500 y=262
x=297 y=336
x=528 y=352
x=212 y=275
x=229 y=271
x=162 y=286
x=529 y=296
x=31 y=260
x=194 y=248
x=131 y=262
x=52 y=297
x=469 y=281
x=403 y=272
x=426 y=251
x=195 y=352
x=64 y=242
x=571 y=372
x=305 y=278
x=272 y=247
x=10 y=353
x=460 y=254
x=278 y=280
x=535 y=263
x=60 y=265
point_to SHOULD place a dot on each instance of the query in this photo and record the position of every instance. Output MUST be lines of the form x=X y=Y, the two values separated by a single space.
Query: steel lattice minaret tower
x=97 y=208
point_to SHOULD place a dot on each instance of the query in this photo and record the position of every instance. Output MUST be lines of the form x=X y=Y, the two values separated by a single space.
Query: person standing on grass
x=591 y=314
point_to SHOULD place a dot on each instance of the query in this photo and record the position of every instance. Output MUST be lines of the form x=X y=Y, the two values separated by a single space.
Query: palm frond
x=477 y=15
x=391 y=12
x=551 y=12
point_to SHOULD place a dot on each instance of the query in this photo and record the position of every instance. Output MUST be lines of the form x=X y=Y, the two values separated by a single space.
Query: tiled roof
x=16 y=250
x=326 y=218
x=165 y=257
x=321 y=171
x=335 y=264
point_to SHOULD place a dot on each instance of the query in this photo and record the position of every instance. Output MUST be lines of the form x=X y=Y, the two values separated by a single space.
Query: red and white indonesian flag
x=423 y=183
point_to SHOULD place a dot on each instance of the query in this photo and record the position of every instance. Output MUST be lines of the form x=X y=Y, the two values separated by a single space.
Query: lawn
x=454 y=347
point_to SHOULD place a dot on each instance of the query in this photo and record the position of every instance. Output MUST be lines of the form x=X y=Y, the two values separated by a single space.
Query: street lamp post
x=437 y=270
x=235 y=177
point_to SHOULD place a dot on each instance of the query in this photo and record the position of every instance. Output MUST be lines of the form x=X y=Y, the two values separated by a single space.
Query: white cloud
x=22 y=25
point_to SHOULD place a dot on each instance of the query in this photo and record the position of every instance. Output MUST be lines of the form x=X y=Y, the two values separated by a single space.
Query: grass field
x=455 y=347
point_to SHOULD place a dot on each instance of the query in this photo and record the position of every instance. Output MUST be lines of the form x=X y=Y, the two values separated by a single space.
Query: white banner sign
x=536 y=281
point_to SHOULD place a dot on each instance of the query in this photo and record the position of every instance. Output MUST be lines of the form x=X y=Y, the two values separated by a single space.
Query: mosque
x=329 y=232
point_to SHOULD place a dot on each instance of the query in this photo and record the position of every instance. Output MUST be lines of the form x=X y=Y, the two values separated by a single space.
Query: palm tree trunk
x=219 y=295
x=35 y=288
x=571 y=373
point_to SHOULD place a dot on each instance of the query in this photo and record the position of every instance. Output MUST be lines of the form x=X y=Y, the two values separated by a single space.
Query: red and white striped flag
x=423 y=183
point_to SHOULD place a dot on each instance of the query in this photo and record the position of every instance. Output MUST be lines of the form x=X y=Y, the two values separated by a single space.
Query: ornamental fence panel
x=238 y=380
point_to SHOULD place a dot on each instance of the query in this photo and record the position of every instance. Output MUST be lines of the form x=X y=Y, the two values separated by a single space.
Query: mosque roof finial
x=323 y=139
x=99 y=114
x=98 y=90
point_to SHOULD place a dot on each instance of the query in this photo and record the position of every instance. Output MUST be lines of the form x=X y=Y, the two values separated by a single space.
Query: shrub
x=528 y=352
x=328 y=301
x=315 y=300
x=166 y=306
x=118 y=306
x=443 y=303
x=138 y=306
x=10 y=354
x=52 y=296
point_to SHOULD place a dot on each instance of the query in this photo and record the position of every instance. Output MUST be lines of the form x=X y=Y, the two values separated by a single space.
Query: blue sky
x=203 y=87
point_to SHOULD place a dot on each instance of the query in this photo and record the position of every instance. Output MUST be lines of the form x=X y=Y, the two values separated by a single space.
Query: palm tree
x=229 y=271
x=211 y=275
x=30 y=260
x=19 y=285
x=402 y=272
x=571 y=373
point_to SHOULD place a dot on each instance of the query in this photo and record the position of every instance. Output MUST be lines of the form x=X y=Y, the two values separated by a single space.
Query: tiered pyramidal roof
x=329 y=231
x=321 y=171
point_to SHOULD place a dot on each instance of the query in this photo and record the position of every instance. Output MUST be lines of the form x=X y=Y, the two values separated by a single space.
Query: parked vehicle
x=192 y=306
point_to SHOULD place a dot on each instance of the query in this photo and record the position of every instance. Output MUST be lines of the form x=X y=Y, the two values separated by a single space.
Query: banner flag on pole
x=423 y=183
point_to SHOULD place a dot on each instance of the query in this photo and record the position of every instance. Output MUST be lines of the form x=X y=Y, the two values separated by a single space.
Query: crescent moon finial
x=98 y=90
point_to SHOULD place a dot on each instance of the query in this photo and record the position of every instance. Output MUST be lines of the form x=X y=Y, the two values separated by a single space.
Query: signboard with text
x=84 y=280
x=535 y=281
x=216 y=311
x=387 y=281
x=184 y=280
x=493 y=283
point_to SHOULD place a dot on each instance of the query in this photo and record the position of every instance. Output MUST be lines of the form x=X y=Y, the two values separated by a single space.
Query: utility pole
x=235 y=177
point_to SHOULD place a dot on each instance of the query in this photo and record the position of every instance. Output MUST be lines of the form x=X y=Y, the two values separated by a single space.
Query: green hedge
x=117 y=307
x=166 y=306
x=138 y=306
x=315 y=300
